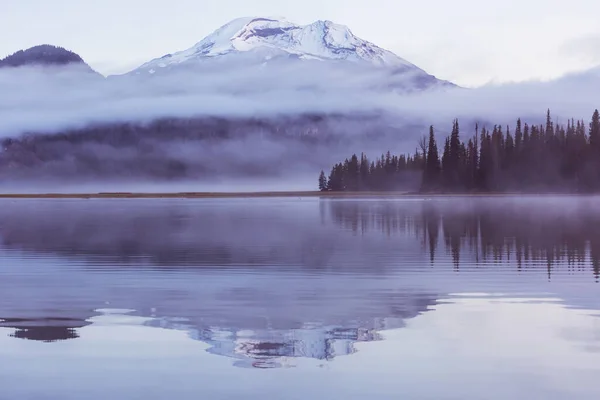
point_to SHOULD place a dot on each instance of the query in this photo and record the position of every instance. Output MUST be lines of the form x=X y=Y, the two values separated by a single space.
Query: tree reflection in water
x=527 y=232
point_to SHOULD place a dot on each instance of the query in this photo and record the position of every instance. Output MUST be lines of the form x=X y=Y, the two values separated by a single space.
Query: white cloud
x=33 y=100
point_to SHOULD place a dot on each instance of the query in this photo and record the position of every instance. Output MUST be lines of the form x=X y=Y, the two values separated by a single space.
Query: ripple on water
x=385 y=295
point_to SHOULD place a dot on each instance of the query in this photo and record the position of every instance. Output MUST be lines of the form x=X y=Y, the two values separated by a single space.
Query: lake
x=300 y=298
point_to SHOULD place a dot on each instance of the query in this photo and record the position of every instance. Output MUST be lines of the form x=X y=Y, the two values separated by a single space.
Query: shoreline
x=199 y=195
x=282 y=194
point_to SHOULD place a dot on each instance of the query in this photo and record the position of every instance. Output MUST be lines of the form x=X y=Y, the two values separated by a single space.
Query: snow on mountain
x=321 y=40
x=263 y=41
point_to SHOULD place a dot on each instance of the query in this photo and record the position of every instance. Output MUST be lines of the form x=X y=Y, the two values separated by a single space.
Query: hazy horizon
x=494 y=43
x=260 y=110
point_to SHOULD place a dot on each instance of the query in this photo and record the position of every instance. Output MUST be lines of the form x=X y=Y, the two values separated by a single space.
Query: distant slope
x=45 y=55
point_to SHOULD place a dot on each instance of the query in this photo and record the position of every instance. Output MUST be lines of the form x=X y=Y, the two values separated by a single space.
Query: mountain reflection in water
x=269 y=280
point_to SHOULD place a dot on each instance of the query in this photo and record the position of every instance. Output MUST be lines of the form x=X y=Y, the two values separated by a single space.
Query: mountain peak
x=320 y=40
x=267 y=43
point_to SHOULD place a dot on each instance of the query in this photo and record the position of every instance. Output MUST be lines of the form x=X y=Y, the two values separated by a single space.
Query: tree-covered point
x=529 y=158
x=41 y=55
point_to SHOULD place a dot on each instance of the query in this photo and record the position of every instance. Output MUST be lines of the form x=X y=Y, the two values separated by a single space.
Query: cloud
x=39 y=101
x=35 y=100
x=364 y=109
x=585 y=49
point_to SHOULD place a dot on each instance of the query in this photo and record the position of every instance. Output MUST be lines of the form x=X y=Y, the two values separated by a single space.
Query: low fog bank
x=199 y=150
x=283 y=121
x=49 y=100
x=43 y=101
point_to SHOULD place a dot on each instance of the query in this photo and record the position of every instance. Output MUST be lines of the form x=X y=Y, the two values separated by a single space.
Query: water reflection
x=274 y=349
x=268 y=281
x=558 y=232
x=262 y=339
x=46 y=330
x=320 y=330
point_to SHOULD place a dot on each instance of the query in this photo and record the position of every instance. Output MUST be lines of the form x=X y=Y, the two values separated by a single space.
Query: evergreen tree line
x=529 y=158
x=362 y=174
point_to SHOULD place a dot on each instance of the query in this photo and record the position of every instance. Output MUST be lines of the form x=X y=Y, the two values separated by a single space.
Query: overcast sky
x=470 y=42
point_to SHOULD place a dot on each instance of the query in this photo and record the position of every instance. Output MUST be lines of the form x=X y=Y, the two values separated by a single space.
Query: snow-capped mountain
x=267 y=41
x=321 y=40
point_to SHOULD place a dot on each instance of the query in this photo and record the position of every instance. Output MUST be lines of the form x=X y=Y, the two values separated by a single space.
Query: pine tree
x=336 y=178
x=518 y=137
x=364 y=172
x=475 y=159
x=322 y=182
x=352 y=173
x=453 y=161
x=446 y=164
x=485 y=161
x=471 y=165
x=431 y=175
x=455 y=145
x=549 y=125
x=509 y=150
x=595 y=132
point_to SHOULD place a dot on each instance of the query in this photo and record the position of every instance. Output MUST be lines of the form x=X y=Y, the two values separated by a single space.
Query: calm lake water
x=445 y=298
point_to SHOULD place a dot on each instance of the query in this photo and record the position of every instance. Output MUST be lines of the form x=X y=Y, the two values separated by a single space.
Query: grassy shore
x=219 y=195
x=197 y=195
